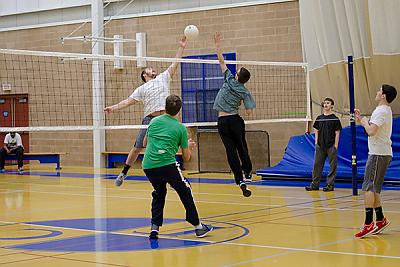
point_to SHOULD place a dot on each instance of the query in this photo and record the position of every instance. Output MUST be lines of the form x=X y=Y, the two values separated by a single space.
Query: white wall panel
x=50 y=16
x=76 y=13
x=13 y=7
x=8 y=22
x=26 y=19
x=46 y=4
x=27 y=5
x=8 y=6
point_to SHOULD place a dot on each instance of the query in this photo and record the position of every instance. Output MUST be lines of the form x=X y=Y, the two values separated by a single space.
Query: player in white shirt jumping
x=152 y=93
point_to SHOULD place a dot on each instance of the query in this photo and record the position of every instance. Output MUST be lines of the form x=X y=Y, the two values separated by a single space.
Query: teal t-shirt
x=231 y=94
x=165 y=135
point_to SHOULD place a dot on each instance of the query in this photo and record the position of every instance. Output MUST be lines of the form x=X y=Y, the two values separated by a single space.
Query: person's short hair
x=330 y=100
x=142 y=75
x=243 y=75
x=390 y=92
x=173 y=105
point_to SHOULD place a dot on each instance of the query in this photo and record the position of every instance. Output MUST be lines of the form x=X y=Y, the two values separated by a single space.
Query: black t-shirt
x=327 y=125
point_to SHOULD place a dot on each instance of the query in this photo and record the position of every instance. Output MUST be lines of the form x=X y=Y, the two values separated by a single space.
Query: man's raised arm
x=182 y=44
x=217 y=41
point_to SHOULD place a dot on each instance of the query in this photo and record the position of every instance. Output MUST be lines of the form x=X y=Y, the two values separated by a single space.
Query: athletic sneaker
x=246 y=192
x=247 y=178
x=120 y=179
x=328 y=188
x=153 y=234
x=20 y=171
x=204 y=231
x=367 y=230
x=381 y=225
x=312 y=187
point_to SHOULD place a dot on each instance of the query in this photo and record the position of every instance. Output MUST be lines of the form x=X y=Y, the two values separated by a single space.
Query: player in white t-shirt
x=152 y=93
x=12 y=145
x=379 y=130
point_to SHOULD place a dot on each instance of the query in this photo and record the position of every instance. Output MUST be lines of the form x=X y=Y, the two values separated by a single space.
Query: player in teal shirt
x=231 y=126
x=165 y=135
x=231 y=94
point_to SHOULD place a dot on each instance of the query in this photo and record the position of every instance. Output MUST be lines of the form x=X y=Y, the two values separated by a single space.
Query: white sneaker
x=247 y=178
x=120 y=179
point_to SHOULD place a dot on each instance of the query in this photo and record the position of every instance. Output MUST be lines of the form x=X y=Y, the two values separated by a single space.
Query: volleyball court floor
x=74 y=219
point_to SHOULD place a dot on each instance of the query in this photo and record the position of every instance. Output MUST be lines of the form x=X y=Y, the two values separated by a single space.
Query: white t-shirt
x=153 y=93
x=13 y=142
x=380 y=143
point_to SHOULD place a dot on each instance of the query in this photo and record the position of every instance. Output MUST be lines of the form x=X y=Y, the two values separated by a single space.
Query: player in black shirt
x=327 y=129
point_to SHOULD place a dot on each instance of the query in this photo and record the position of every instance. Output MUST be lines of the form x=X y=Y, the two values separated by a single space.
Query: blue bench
x=41 y=157
x=118 y=157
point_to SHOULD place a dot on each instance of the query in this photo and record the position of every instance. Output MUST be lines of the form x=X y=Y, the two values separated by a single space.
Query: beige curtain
x=367 y=29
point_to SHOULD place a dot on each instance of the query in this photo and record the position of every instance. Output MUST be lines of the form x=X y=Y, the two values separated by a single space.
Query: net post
x=98 y=84
x=352 y=127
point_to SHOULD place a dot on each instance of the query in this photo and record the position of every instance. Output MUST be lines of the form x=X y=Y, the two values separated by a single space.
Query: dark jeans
x=159 y=177
x=19 y=151
x=232 y=131
x=319 y=160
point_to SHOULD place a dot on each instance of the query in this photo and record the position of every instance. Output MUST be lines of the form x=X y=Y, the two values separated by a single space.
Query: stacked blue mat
x=298 y=159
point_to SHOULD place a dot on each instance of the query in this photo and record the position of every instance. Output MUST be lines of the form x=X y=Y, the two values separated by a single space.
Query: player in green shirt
x=165 y=135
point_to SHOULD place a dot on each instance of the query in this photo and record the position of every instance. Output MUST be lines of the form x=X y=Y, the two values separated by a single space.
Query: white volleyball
x=191 y=32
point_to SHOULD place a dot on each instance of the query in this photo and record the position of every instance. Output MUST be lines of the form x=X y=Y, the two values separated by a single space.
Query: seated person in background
x=12 y=145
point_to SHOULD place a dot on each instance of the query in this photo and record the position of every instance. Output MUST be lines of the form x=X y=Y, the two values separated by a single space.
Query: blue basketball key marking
x=107 y=239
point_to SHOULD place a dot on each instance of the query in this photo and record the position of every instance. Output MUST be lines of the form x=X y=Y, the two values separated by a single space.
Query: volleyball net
x=56 y=90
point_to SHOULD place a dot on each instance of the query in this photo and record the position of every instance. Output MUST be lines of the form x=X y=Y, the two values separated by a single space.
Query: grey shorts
x=375 y=171
x=142 y=132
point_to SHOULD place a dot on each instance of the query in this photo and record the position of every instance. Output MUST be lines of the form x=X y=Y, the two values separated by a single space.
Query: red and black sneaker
x=381 y=226
x=367 y=230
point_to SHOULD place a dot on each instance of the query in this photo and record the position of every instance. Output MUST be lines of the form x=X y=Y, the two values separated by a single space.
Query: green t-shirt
x=231 y=94
x=165 y=135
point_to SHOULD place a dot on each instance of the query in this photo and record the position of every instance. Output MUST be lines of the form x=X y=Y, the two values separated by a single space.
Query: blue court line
x=63 y=174
x=274 y=182
x=51 y=234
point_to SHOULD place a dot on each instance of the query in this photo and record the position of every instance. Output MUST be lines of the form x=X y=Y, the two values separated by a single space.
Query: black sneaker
x=312 y=188
x=246 y=192
x=328 y=188
x=153 y=234
x=247 y=178
x=204 y=231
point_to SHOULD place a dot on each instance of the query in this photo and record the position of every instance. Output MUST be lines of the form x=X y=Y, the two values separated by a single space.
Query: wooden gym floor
x=74 y=219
